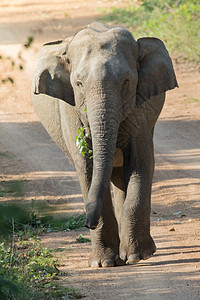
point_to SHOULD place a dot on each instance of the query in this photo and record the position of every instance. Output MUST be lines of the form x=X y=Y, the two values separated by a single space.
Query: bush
x=175 y=22
x=27 y=270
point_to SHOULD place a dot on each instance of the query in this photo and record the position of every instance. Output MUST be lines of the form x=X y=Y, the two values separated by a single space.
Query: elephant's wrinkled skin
x=122 y=82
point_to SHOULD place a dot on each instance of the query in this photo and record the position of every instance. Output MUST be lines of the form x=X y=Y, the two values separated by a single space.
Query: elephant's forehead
x=114 y=38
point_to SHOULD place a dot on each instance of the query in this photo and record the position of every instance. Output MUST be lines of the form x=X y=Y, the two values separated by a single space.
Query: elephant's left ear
x=156 y=73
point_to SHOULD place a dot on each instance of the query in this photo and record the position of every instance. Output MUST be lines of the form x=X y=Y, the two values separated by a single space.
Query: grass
x=28 y=270
x=29 y=42
x=83 y=138
x=13 y=187
x=71 y=223
x=174 y=22
x=2 y=192
x=81 y=239
x=32 y=272
x=3 y=154
x=28 y=223
x=12 y=66
x=194 y=100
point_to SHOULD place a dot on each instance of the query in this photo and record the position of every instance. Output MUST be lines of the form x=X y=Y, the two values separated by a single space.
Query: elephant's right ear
x=52 y=76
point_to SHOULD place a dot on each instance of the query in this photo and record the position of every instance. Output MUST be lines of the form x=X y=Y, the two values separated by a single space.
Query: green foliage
x=10 y=66
x=28 y=270
x=8 y=79
x=192 y=99
x=33 y=273
x=3 y=154
x=6 y=286
x=7 y=213
x=175 y=22
x=28 y=223
x=15 y=187
x=73 y=222
x=2 y=192
x=82 y=139
x=29 y=42
x=81 y=239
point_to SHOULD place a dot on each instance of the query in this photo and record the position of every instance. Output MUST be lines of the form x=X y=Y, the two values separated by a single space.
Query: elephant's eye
x=68 y=61
x=79 y=83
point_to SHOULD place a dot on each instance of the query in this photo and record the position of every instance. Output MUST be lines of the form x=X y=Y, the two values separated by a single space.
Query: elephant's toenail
x=147 y=256
x=123 y=256
x=120 y=262
x=133 y=258
x=95 y=264
x=108 y=263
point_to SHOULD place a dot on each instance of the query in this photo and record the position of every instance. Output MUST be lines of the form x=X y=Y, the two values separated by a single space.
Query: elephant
x=103 y=80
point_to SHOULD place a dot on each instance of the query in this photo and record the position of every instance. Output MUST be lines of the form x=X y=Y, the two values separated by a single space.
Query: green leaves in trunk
x=82 y=138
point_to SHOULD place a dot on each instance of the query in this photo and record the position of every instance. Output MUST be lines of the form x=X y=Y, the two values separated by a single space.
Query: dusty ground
x=28 y=155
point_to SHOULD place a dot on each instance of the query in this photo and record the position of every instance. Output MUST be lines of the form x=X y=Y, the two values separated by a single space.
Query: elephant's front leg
x=136 y=242
x=105 y=238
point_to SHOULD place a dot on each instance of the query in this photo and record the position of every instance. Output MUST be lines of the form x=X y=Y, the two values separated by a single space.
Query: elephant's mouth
x=118 y=158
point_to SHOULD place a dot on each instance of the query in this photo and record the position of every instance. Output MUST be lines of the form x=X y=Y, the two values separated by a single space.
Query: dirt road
x=28 y=155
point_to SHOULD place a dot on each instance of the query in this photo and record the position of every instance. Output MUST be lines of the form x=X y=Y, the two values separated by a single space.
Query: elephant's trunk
x=104 y=115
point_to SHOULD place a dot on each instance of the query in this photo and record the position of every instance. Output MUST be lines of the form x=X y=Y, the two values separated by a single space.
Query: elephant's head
x=109 y=72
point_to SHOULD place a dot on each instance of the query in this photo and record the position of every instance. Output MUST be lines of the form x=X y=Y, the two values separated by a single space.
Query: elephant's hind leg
x=119 y=193
x=133 y=221
x=136 y=242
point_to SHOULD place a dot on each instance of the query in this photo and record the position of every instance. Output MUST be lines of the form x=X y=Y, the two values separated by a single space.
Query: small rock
x=172 y=229
x=177 y=213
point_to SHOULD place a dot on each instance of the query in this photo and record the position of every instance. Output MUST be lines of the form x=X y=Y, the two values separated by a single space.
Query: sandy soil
x=28 y=155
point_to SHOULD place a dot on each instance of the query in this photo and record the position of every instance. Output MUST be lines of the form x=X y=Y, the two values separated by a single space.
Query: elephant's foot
x=104 y=258
x=132 y=250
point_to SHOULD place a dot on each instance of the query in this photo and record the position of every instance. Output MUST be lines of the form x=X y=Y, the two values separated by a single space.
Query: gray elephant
x=122 y=82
